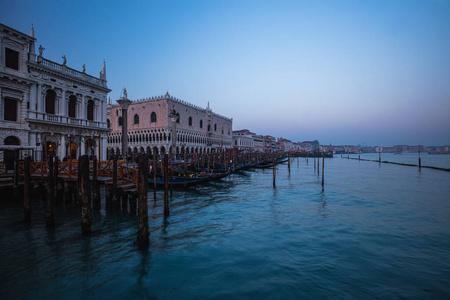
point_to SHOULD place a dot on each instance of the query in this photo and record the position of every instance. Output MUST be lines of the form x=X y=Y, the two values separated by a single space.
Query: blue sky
x=341 y=72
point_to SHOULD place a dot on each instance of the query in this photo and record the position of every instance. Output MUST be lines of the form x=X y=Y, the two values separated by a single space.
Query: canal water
x=375 y=231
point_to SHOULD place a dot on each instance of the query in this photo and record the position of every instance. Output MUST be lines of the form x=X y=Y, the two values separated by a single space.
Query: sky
x=340 y=72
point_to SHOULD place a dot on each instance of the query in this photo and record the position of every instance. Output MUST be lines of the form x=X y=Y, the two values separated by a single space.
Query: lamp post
x=124 y=104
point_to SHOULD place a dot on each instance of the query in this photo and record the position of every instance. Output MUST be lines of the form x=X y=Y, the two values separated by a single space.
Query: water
x=374 y=231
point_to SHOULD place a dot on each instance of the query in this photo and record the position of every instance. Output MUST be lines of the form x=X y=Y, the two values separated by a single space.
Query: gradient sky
x=341 y=72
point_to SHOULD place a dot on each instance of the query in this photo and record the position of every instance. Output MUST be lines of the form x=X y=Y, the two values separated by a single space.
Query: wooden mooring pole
x=154 y=176
x=289 y=162
x=323 y=168
x=50 y=217
x=85 y=194
x=26 y=191
x=274 y=170
x=96 y=202
x=166 y=186
x=143 y=232
x=420 y=161
x=318 y=162
x=115 y=198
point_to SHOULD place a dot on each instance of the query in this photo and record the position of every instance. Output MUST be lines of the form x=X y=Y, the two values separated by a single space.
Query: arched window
x=119 y=121
x=72 y=106
x=136 y=119
x=108 y=123
x=209 y=127
x=50 y=99
x=201 y=123
x=215 y=127
x=178 y=120
x=153 y=117
x=90 y=110
x=190 y=121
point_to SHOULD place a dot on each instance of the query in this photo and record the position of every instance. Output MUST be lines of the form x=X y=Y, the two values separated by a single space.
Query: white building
x=47 y=106
x=198 y=130
x=243 y=143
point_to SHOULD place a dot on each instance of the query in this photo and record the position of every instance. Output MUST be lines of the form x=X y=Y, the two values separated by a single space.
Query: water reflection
x=323 y=210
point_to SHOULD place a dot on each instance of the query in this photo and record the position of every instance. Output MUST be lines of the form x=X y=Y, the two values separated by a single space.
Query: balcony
x=40 y=117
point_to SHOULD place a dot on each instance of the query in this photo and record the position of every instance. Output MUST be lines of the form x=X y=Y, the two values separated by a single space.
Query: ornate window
x=119 y=121
x=108 y=123
x=153 y=117
x=201 y=123
x=11 y=59
x=10 y=106
x=90 y=110
x=136 y=119
x=50 y=99
x=72 y=106
x=190 y=121
x=215 y=127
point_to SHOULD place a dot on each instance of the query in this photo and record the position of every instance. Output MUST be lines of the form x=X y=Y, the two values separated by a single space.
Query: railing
x=3 y=169
x=62 y=68
x=129 y=174
x=70 y=169
x=67 y=120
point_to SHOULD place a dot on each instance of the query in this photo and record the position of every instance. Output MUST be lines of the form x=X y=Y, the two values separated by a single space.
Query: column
x=103 y=149
x=39 y=98
x=124 y=103
x=62 y=147
x=33 y=91
x=82 y=110
x=62 y=106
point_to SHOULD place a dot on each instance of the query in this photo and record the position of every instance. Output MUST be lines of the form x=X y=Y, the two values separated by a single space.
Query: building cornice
x=41 y=68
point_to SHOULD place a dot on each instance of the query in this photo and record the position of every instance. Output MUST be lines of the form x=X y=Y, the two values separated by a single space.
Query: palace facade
x=198 y=130
x=46 y=106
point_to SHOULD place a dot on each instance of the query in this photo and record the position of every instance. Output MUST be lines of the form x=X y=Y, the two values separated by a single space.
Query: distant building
x=243 y=143
x=198 y=130
x=258 y=141
x=285 y=145
x=269 y=143
x=45 y=106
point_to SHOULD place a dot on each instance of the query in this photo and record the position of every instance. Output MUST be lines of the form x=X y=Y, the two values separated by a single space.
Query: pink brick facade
x=150 y=136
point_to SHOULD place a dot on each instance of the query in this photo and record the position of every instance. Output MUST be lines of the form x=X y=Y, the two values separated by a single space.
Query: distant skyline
x=341 y=72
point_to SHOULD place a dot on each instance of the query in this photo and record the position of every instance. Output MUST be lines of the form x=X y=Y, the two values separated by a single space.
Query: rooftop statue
x=41 y=50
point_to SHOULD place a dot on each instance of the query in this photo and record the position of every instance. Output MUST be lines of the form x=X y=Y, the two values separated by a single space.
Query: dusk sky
x=341 y=72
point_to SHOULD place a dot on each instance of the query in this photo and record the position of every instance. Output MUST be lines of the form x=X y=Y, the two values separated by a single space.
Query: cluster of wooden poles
x=419 y=165
x=87 y=189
